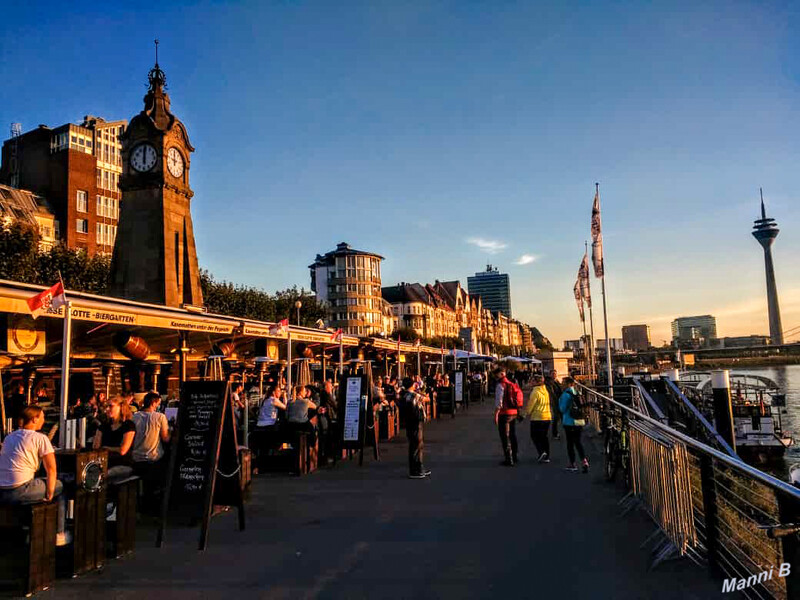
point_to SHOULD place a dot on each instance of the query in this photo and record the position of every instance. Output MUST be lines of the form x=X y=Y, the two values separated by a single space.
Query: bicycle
x=616 y=452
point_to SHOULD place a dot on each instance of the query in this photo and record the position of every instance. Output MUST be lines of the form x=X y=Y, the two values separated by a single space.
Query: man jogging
x=507 y=403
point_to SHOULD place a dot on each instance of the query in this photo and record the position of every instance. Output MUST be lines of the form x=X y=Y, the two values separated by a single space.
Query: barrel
x=131 y=345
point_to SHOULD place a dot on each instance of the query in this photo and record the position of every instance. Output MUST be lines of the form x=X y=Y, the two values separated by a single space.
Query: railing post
x=723 y=412
x=789 y=511
x=710 y=511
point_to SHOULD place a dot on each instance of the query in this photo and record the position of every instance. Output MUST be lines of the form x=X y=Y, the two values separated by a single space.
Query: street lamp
x=298 y=305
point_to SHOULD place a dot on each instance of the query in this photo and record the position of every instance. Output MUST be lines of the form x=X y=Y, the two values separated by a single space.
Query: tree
x=19 y=247
x=405 y=334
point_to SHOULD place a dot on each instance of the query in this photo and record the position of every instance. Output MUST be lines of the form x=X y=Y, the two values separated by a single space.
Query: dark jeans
x=573 y=434
x=507 y=426
x=416 y=449
x=556 y=416
x=539 y=436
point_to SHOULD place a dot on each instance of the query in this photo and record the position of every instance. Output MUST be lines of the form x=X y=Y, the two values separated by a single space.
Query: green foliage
x=225 y=298
x=405 y=334
x=20 y=260
x=19 y=244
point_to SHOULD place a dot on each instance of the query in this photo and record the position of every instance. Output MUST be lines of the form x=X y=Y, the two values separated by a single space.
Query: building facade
x=494 y=289
x=636 y=337
x=348 y=282
x=25 y=206
x=694 y=331
x=77 y=169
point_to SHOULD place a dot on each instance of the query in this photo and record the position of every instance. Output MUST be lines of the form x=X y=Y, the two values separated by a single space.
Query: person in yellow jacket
x=538 y=411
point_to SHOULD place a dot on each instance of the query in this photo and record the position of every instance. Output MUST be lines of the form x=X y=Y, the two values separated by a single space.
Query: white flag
x=583 y=280
x=597 y=237
x=579 y=299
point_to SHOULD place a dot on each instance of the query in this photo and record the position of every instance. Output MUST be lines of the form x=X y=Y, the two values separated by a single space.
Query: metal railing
x=711 y=506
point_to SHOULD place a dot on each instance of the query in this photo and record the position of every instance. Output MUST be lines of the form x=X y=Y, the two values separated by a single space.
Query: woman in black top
x=116 y=434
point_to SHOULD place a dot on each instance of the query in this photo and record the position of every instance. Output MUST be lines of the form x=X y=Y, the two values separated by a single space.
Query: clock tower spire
x=155 y=259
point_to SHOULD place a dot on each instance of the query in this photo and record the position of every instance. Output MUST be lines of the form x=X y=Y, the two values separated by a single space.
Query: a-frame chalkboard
x=204 y=463
x=358 y=416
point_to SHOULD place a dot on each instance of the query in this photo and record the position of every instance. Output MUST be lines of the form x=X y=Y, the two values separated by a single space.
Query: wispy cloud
x=490 y=246
x=525 y=259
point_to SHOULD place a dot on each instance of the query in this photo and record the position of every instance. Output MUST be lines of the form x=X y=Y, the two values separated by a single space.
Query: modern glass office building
x=494 y=289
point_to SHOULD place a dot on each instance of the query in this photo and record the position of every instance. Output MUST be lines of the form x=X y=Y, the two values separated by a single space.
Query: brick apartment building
x=76 y=168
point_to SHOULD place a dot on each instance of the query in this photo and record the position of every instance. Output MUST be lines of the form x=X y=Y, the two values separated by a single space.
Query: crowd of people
x=549 y=404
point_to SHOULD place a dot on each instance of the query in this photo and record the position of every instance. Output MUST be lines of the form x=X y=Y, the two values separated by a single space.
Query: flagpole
x=66 y=348
x=288 y=365
x=608 y=344
x=593 y=359
x=341 y=355
x=586 y=350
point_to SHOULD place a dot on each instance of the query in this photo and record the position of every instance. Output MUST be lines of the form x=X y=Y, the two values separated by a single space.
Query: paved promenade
x=473 y=530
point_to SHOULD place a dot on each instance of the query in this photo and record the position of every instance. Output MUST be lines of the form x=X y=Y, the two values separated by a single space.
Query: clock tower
x=155 y=259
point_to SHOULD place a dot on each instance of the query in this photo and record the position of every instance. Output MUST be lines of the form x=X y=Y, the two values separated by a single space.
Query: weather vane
x=156 y=78
x=156 y=43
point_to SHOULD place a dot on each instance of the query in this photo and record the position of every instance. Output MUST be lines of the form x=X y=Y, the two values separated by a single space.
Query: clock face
x=175 y=162
x=143 y=157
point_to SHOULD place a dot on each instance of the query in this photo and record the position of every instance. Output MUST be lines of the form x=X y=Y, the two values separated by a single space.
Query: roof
x=406 y=292
x=22 y=204
x=342 y=249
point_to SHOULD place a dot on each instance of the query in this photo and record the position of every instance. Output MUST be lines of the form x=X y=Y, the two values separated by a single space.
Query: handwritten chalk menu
x=204 y=463
x=459 y=385
x=198 y=421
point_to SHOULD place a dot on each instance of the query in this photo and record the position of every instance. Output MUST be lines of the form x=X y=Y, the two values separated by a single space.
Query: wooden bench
x=121 y=533
x=300 y=458
x=387 y=424
x=28 y=546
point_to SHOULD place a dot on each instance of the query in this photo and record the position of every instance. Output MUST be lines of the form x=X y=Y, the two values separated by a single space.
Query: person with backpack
x=573 y=419
x=508 y=401
x=538 y=411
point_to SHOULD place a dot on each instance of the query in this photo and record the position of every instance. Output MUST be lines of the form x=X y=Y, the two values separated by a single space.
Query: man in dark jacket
x=327 y=420
x=413 y=410
x=554 y=390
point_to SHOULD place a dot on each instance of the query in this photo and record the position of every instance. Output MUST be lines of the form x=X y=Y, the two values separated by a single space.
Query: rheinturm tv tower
x=765 y=230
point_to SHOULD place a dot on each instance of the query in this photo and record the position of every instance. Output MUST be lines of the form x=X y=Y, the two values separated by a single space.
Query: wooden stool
x=121 y=534
x=28 y=546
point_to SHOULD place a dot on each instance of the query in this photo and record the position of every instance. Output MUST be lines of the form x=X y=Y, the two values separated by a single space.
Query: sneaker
x=557 y=436
x=572 y=469
x=585 y=467
x=63 y=538
x=427 y=473
x=543 y=458
x=417 y=476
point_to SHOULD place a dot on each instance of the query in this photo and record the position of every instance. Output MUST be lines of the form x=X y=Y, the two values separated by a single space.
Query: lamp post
x=298 y=305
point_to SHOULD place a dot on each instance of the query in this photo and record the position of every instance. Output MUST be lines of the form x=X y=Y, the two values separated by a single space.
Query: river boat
x=757 y=402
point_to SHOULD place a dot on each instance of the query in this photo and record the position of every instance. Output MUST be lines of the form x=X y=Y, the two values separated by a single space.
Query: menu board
x=204 y=463
x=352 y=409
x=459 y=385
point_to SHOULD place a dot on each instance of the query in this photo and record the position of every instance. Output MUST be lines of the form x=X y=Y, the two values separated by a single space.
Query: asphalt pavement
x=474 y=529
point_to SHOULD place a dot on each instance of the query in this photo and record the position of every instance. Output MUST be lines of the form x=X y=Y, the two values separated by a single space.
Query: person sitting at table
x=152 y=432
x=299 y=412
x=117 y=434
x=23 y=451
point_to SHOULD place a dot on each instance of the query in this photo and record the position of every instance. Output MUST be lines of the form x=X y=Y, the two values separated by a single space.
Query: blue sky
x=411 y=128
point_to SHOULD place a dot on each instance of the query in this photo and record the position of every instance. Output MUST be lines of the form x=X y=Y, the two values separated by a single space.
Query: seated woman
x=116 y=434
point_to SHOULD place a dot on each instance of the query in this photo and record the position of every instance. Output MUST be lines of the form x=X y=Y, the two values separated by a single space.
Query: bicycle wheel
x=610 y=461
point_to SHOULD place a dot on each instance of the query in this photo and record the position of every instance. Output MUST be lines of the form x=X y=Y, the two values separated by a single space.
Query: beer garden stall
x=117 y=345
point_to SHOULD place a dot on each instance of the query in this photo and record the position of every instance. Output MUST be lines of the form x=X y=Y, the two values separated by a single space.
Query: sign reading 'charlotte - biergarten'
x=352 y=409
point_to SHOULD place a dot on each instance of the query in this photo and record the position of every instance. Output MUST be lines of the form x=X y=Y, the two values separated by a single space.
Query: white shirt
x=147 y=441
x=268 y=414
x=23 y=449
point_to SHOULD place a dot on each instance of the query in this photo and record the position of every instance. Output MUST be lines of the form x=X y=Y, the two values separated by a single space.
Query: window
x=99 y=178
x=82 y=225
x=99 y=233
x=83 y=201
x=100 y=206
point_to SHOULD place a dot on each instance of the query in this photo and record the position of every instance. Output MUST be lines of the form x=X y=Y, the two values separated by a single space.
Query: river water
x=788 y=379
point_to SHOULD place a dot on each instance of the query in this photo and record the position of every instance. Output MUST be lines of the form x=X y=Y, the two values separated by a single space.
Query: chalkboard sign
x=459 y=385
x=204 y=463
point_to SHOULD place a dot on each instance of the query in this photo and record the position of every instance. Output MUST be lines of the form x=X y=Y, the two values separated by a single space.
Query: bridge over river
x=473 y=529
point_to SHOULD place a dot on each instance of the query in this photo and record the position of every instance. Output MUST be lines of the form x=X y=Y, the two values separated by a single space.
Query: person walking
x=540 y=415
x=554 y=390
x=414 y=412
x=573 y=422
x=508 y=401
